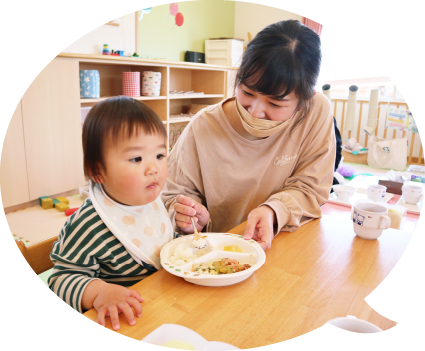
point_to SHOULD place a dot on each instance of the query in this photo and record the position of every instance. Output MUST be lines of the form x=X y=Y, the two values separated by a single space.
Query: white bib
x=143 y=230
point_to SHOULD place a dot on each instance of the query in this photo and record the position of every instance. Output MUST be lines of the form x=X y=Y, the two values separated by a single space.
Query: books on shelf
x=184 y=93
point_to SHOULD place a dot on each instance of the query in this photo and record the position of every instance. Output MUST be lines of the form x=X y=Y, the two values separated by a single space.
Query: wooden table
x=318 y=272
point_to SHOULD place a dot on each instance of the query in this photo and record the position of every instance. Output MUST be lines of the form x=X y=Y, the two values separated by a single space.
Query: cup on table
x=412 y=193
x=343 y=192
x=353 y=324
x=376 y=192
x=370 y=219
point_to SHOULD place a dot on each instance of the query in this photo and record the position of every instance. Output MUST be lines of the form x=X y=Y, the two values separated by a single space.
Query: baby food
x=232 y=248
x=224 y=266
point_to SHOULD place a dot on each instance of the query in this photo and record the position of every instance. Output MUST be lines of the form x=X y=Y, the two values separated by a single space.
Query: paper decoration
x=145 y=11
x=396 y=118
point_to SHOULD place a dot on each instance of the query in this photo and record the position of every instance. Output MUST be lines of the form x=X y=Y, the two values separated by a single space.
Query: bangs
x=271 y=76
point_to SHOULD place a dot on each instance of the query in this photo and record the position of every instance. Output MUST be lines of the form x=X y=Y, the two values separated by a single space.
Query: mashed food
x=185 y=252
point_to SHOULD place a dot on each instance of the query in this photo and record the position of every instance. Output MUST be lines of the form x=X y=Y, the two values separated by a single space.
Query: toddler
x=114 y=239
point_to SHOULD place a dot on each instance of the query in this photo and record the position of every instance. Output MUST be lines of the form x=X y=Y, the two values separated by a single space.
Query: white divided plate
x=252 y=253
x=416 y=209
x=360 y=194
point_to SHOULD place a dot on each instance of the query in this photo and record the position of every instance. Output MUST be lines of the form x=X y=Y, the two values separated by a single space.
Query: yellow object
x=61 y=207
x=47 y=203
x=232 y=248
x=63 y=199
x=395 y=217
x=177 y=344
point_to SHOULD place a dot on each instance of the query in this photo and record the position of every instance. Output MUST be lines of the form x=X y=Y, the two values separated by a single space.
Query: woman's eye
x=136 y=159
x=246 y=93
x=276 y=106
x=160 y=156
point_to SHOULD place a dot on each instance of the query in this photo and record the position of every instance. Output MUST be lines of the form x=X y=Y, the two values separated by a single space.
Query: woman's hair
x=116 y=117
x=283 y=57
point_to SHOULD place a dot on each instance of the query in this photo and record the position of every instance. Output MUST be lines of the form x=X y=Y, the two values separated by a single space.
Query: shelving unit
x=45 y=131
x=179 y=76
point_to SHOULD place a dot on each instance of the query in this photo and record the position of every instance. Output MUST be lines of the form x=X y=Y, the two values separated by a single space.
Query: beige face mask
x=260 y=128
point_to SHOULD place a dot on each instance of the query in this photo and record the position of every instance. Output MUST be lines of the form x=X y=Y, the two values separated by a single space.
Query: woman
x=265 y=155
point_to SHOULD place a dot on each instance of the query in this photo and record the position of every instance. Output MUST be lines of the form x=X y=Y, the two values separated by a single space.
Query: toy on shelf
x=114 y=53
x=135 y=54
x=105 y=49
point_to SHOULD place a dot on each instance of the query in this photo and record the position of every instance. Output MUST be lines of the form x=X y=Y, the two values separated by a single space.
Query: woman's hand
x=185 y=208
x=115 y=299
x=259 y=226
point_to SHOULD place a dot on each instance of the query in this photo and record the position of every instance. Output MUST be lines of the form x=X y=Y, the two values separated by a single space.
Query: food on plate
x=178 y=344
x=224 y=266
x=184 y=252
x=232 y=248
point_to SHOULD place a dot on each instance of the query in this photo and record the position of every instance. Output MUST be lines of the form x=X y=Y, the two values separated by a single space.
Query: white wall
x=253 y=18
x=122 y=37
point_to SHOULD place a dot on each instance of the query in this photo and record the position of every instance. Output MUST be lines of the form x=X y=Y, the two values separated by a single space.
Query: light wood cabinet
x=13 y=171
x=52 y=130
x=43 y=154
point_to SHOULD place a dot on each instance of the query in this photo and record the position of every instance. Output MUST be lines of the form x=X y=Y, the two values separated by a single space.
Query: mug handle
x=387 y=222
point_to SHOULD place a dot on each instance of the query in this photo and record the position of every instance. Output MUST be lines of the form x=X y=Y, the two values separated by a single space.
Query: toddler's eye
x=136 y=159
x=160 y=156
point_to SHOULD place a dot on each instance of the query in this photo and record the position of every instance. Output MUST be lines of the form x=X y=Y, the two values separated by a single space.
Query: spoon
x=198 y=241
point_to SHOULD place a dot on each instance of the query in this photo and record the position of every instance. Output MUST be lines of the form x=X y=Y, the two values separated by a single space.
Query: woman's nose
x=256 y=110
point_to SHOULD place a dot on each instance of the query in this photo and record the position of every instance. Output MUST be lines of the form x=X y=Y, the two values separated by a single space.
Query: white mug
x=369 y=220
x=376 y=192
x=353 y=324
x=412 y=193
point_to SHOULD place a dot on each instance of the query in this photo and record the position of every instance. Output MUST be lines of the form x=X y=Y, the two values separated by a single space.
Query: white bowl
x=252 y=253
x=343 y=192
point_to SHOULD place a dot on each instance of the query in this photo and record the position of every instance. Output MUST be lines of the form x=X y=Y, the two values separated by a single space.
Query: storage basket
x=89 y=84
x=151 y=83
x=131 y=83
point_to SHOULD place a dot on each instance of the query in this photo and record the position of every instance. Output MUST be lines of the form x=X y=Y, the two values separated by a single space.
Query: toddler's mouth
x=152 y=185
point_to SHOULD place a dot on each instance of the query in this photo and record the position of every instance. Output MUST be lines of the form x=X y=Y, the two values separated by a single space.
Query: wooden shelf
x=86 y=101
x=179 y=119
x=175 y=97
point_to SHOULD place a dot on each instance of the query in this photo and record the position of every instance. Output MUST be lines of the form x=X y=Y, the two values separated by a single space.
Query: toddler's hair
x=116 y=117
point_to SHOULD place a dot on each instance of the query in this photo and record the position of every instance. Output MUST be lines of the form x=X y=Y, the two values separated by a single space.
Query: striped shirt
x=87 y=250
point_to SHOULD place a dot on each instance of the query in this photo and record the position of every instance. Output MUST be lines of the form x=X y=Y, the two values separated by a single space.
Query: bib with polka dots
x=143 y=230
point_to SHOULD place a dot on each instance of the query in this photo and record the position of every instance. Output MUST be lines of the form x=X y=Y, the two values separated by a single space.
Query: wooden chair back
x=38 y=254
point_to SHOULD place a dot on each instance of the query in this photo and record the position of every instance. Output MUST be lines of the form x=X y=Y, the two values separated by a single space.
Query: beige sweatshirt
x=230 y=175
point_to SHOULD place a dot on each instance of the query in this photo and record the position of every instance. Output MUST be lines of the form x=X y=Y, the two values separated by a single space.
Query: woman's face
x=266 y=107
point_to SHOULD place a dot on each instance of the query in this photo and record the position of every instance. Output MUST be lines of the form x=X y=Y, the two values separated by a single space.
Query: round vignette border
x=317 y=11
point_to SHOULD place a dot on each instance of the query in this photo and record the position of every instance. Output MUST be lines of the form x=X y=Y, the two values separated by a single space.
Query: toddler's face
x=136 y=169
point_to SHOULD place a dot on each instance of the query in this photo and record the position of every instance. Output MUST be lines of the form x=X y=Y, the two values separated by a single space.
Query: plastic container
x=84 y=192
x=89 y=84
x=151 y=83
x=226 y=52
x=131 y=83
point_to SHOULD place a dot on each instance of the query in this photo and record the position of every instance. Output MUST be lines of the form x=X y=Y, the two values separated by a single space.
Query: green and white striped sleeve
x=81 y=240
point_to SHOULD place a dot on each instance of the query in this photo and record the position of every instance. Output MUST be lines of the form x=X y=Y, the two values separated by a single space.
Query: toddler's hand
x=185 y=208
x=114 y=299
